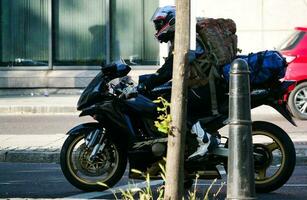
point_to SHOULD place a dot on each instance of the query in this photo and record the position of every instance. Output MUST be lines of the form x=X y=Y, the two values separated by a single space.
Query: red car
x=294 y=49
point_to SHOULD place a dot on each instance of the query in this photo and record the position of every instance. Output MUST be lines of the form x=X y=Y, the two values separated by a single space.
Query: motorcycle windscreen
x=92 y=93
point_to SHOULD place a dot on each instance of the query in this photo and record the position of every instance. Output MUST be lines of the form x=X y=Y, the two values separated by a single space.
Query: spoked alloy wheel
x=84 y=174
x=274 y=156
x=298 y=101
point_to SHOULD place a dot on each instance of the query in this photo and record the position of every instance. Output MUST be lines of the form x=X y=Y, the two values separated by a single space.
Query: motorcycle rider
x=164 y=22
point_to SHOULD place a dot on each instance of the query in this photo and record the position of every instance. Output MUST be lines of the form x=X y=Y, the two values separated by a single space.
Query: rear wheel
x=107 y=168
x=275 y=157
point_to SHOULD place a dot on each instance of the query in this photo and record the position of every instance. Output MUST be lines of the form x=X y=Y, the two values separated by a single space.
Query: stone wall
x=261 y=24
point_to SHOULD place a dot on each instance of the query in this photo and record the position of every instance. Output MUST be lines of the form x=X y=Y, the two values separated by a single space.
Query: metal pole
x=241 y=183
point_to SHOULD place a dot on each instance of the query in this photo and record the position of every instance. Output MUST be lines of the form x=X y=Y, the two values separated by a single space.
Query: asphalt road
x=58 y=124
x=25 y=180
x=39 y=124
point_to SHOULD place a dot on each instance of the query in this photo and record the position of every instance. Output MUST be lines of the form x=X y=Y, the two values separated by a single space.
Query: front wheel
x=108 y=167
x=274 y=156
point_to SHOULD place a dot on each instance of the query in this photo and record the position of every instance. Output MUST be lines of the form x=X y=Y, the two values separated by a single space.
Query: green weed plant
x=164 y=119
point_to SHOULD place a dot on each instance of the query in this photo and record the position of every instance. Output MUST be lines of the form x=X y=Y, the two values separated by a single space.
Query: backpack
x=219 y=40
x=265 y=67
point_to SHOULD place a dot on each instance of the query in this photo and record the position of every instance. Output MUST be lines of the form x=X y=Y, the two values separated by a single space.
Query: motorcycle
x=99 y=151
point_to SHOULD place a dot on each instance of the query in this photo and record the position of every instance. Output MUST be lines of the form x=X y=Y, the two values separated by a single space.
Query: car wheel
x=298 y=101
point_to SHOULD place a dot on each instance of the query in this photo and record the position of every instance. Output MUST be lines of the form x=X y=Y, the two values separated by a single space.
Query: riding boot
x=205 y=141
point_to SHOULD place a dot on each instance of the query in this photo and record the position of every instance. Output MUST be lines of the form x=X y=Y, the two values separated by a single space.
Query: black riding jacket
x=199 y=100
x=164 y=74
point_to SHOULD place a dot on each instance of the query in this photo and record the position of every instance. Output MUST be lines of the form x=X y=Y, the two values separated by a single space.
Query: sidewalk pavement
x=38 y=104
x=46 y=148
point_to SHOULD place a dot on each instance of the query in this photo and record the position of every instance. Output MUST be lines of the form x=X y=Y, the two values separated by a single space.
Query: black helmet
x=164 y=21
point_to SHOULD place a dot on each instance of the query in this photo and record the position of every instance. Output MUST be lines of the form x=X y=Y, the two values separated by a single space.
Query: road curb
x=47 y=156
x=30 y=156
x=37 y=109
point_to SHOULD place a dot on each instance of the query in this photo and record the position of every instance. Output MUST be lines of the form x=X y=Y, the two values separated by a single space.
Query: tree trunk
x=176 y=140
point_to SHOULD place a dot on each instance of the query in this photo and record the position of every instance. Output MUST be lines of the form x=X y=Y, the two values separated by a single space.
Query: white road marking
x=295 y=185
x=92 y=195
x=285 y=185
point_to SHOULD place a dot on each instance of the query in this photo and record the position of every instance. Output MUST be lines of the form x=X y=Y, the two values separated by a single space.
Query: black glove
x=129 y=92
x=141 y=88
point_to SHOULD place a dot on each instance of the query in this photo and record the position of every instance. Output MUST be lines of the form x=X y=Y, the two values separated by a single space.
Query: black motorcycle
x=124 y=131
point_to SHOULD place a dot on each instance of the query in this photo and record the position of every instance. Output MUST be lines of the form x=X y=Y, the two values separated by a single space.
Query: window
x=292 y=41
x=24 y=32
x=77 y=32
x=132 y=32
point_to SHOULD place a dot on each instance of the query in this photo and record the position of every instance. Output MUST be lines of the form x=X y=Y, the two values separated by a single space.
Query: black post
x=241 y=183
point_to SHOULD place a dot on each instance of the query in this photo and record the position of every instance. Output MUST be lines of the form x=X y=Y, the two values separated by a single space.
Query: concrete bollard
x=241 y=183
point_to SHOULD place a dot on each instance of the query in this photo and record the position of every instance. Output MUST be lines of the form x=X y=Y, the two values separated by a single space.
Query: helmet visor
x=162 y=12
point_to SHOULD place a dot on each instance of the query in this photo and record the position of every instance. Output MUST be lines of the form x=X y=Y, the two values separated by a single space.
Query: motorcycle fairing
x=97 y=88
x=283 y=110
x=109 y=114
x=92 y=92
x=142 y=105
x=84 y=128
x=273 y=97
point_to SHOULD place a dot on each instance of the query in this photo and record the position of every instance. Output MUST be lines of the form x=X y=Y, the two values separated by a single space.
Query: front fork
x=95 y=140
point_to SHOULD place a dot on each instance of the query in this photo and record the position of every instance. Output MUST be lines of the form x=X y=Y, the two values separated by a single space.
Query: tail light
x=290 y=85
x=289 y=59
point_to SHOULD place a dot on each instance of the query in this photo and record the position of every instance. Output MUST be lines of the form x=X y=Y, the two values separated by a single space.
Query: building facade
x=62 y=43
